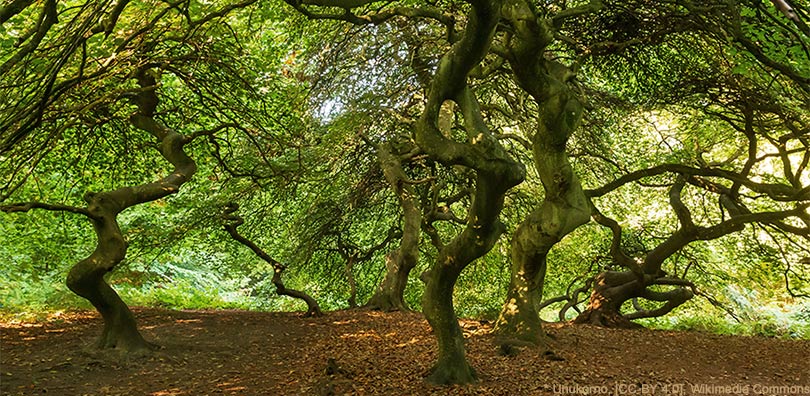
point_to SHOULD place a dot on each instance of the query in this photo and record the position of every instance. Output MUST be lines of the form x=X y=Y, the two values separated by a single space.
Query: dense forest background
x=614 y=163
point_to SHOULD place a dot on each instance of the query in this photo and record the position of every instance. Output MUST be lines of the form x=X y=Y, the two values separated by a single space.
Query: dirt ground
x=254 y=353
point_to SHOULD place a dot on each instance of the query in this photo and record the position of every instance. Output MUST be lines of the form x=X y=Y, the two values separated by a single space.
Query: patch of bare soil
x=372 y=353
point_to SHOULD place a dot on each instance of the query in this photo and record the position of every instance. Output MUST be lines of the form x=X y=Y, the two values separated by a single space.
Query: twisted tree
x=564 y=207
x=86 y=278
x=745 y=88
x=495 y=171
x=115 y=72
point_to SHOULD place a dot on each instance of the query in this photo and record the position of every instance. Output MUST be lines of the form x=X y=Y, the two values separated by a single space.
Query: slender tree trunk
x=562 y=211
x=350 y=261
x=313 y=309
x=519 y=318
x=232 y=221
x=389 y=296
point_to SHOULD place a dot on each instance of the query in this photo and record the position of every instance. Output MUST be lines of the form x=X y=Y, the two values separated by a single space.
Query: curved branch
x=775 y=191
x=26 y=206
x=222 y=12
x=232 y=221
x=616 y=251
x=673 y=298
x=593 y=6
x=681 y=211
x=374 y=18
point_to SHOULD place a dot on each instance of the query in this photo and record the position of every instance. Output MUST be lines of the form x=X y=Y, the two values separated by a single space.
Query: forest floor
x=256 y=353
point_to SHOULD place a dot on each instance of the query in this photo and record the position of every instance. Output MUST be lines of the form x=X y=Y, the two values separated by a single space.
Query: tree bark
x=389 y=295
x=611 y=290
x=564 y=207
x=437 y=303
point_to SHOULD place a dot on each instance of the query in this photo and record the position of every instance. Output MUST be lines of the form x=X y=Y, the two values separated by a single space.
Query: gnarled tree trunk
x=86 y=278
x=399 y=262
x=476 y=240
x=565 y=206
x=612 y=289
x=495 y=173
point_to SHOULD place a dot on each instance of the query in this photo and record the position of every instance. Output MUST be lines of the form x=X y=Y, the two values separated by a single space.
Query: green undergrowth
x=778 y=319
x=765 y=327
x=35 y=298
x=24 y=297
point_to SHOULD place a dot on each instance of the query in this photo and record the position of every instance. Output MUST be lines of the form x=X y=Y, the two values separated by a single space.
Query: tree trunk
x=389 y=296
x=86 y=279
x=611 y=289
x=451 y=365
x=313 y=309
x=519 y=318
x=496 y=172
x=352 y=283
x=476 y=240
x=564 y=206
x=562 y=211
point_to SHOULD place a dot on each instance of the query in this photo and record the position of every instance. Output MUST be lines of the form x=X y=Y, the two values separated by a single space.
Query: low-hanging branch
x=374 y=18
x=26 y=206
x=672 y=299
x=232 y=221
